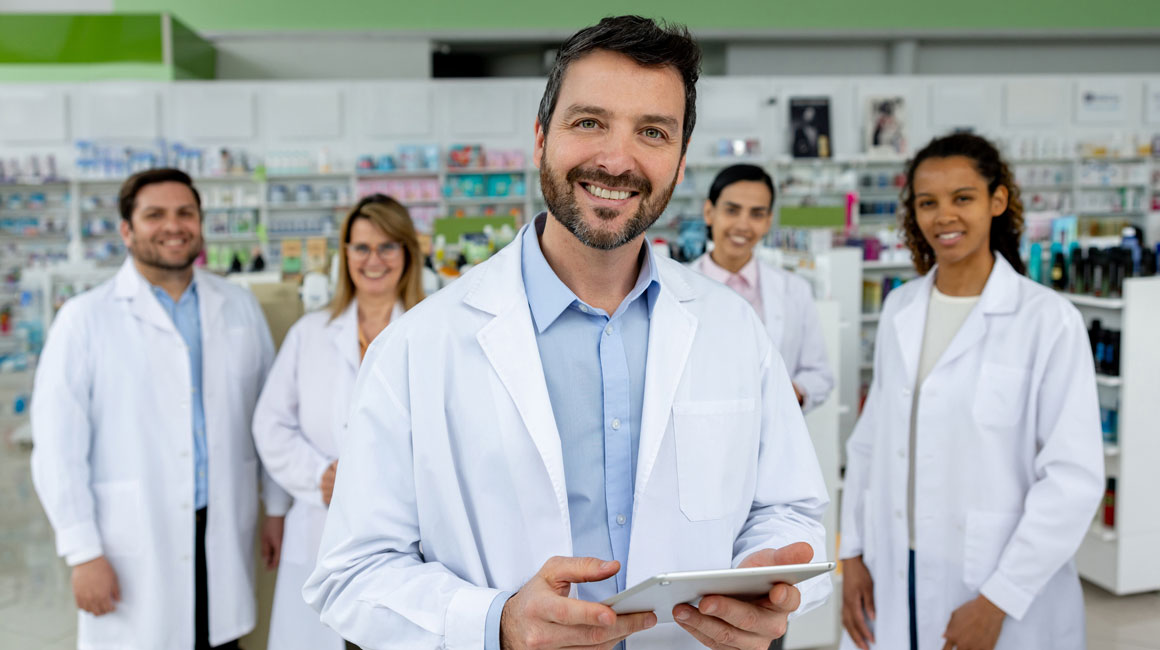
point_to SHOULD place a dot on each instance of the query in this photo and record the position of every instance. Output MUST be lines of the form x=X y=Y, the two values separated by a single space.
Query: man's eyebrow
x=662 y=120
x=583 y=109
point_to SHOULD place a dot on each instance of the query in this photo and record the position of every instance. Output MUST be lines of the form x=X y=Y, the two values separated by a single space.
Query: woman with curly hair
x=976 y=466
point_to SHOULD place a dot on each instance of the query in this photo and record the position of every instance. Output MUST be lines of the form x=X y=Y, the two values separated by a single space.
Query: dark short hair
x=736 y=174
x=127 y=199
x=645 y=41
x=1006 y=229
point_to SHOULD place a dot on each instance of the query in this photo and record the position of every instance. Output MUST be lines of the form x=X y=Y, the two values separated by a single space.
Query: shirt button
x=616 y=424
x=584 y=308
x=620 y=519
x=608 y=330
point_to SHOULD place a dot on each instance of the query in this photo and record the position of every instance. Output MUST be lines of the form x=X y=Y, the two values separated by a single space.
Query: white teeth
x=374 y=276
x=739 y=240
x=949 y=235
x=608 y=194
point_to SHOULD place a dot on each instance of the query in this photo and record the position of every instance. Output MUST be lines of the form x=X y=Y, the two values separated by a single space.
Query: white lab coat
x=302 y=410
x=452 y=444
x=113 y=457
x=791 y=318
x=1009 y=466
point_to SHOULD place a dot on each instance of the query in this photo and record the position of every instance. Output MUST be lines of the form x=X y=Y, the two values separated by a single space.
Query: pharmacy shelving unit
x=1123 y=558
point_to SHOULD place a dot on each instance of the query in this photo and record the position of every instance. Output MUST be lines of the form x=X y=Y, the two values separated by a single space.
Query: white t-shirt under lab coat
x=944 y=318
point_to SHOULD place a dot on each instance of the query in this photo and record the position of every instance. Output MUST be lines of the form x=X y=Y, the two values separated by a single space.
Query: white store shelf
x=486 y=200
x=1093 y=301
x=1108 y=380
x=879 y=265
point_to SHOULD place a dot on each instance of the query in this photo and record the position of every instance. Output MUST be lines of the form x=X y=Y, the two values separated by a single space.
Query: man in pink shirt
x=739 y=212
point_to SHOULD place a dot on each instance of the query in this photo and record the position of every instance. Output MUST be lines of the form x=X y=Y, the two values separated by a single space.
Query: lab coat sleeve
x=371 y=583
x=858 y=454
x=287 y=455
x=276 y=500
x=790 y=497
x=811 y=370
x=62 y=437
x=1058 y=508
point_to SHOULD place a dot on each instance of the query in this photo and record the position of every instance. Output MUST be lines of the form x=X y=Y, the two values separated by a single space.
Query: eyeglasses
x=385 y=251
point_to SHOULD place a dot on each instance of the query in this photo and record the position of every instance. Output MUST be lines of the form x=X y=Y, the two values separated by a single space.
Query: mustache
x=627 y=180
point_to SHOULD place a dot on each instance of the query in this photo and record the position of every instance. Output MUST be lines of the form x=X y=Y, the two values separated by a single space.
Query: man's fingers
x=625 y=626
x=796 y=553
x=784 y=598
x=561 y=572
x=718 y=631
x=570 y=611
x=749 y=617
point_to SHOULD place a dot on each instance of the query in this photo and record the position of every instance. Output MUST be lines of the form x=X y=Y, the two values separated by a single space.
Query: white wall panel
x=32 y=116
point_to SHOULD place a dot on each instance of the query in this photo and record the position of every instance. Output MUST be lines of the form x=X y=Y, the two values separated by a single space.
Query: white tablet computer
x=660 y=593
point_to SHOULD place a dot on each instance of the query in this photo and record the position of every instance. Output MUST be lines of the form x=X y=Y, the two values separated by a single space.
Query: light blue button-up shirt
x=187 y=319
x=591 y=359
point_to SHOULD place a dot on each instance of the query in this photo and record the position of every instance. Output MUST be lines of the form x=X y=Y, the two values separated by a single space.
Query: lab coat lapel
x=1000 y=295
x=343 y=334
x=909 y=326
x=670 y=339
x=772 y=303
x=142 y=303
x=509 y=343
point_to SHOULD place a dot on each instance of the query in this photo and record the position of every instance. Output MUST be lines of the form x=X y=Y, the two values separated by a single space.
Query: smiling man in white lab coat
x=575 y=415
x=143 y=457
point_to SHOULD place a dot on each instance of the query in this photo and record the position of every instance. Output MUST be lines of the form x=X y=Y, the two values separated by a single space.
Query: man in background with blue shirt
x=143 y=455
x=575 y=408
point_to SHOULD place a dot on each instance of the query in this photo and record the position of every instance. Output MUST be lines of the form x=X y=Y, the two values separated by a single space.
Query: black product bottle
x=1114 y=354
x=1075 y=271
x=1089 y=269
x=1058 y=272
x=1094 y=338
x=1147 y=262
x=1116 y=268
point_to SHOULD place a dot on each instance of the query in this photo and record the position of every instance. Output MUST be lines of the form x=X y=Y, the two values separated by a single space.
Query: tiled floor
x=37 y=613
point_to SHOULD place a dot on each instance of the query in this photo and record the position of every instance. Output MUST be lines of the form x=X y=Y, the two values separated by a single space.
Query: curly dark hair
x=1006 y=229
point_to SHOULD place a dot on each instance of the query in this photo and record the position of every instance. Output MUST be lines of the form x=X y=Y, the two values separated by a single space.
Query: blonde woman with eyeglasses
x=303 y=406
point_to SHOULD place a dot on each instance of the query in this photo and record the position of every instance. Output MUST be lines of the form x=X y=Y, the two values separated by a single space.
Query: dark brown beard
x=561 y=199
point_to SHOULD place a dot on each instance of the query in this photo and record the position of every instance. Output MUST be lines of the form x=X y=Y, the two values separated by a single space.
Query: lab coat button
x=902 y=575
x=898 y=514
x=906 y=392
x=185 y=506
x=185 y=558
x=620 y=519
x=902 y=453
x=616 y=424
x=185 y=453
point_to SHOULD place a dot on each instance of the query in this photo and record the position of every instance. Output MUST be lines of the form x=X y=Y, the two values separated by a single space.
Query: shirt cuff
x=491 y=631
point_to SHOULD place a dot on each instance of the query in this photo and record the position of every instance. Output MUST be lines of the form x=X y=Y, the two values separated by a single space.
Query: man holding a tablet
x=576 y=416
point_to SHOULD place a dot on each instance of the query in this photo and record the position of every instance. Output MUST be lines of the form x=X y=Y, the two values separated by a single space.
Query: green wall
x=541 y=15
x=47 y=38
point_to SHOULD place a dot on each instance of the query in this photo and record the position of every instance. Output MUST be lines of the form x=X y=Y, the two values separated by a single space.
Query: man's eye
x=654 y=134
x=587 y=124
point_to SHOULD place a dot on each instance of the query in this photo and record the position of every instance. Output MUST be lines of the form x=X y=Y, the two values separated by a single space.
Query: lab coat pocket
x=711 y=439
x=1001 y=396
x=987 y=534
x=119 y=516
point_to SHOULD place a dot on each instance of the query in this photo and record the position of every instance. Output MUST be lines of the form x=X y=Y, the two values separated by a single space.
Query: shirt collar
x=190 y=292
x=748 y=273
x=548 y=296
